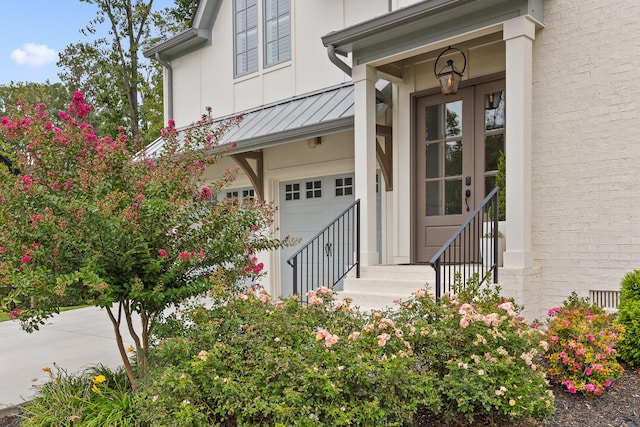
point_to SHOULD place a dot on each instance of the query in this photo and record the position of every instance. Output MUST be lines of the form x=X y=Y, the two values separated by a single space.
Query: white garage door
x=306 y=206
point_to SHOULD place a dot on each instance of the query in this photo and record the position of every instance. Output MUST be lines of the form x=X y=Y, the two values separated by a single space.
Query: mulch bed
x=618 y=407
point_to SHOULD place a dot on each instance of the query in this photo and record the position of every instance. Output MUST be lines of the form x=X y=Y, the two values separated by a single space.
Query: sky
x=34 y=32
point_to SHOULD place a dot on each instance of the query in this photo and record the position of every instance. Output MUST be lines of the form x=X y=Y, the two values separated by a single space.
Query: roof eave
x=424 y=18
x=179 y=44
x=198 y=34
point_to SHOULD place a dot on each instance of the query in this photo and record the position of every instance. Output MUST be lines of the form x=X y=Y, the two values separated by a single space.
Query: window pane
x=434 y=160
x=241 y=4
x=434 y=198
x=241 y=43
x=252 y=17
x=434 y=121
x=454 y=118
x=285 y=49
x=241 y=21
x=453 y=197
x=252 y=60
x=494 y=111
x=489 y=184
x=453 y=158
x=270 y=9
x=283 y=6
x=241 y=64
x=252 y=39
x=271 y=53
x=271 y=31
x=493 y=146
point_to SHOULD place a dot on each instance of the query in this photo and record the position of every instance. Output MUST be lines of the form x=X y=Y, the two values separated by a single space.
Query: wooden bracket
x=385 y=157
x=256 y=176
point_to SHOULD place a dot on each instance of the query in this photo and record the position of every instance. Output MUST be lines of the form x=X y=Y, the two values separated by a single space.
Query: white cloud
x=34 y=55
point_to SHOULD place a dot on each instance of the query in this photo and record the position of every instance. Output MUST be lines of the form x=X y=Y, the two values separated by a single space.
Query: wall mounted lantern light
x=492 y=100
x=449 y=76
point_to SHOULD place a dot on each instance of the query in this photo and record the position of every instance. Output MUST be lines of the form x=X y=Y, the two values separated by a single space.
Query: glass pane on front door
x=443 y=159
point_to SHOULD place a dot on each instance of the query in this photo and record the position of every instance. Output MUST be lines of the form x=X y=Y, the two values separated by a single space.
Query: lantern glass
x=449 y=78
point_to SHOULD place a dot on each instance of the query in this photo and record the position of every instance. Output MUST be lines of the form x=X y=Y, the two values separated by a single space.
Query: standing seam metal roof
x=305 y=116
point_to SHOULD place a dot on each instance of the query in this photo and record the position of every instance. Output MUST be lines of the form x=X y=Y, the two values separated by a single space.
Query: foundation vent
x=608 y=300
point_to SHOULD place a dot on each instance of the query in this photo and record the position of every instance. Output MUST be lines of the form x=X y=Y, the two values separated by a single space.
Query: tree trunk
x=123 y=352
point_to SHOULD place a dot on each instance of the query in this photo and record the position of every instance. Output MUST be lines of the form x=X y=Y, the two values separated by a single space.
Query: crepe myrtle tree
x=129 y=232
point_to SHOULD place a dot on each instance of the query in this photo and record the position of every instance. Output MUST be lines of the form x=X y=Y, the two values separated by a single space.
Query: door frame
x=478 y=160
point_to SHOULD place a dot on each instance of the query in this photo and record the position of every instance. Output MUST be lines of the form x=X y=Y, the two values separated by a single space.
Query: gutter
x=167 y=66
x=333 y=57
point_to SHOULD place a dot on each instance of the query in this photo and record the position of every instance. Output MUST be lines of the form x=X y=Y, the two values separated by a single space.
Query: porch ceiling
x=425 y=23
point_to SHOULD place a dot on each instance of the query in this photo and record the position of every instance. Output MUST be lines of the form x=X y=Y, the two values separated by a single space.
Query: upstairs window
x=246 y=36
x=277 y=31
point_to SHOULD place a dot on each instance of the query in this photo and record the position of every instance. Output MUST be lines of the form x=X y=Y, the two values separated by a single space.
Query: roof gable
x=197 y=35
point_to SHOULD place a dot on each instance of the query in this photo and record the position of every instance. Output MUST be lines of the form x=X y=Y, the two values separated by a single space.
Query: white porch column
x=364 y=78
x=519 y=34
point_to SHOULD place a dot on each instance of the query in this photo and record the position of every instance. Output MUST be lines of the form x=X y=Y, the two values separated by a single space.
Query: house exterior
x=341 y=102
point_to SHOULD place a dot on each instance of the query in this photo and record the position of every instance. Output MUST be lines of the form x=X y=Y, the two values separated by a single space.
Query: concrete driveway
x=73 y=340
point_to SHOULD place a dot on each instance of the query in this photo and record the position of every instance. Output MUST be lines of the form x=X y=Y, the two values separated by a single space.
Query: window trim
x=236 y=74
x=264 y=37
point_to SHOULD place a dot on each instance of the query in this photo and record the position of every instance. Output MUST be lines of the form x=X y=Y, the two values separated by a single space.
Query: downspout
x=167 y=66
x=333 y=57
x=331 y=51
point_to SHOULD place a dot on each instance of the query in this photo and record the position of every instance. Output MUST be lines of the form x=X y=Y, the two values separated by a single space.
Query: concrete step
x=380 y=286
x=412 y=272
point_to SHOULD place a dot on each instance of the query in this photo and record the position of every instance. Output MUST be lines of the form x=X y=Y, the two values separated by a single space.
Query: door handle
x=467 y=194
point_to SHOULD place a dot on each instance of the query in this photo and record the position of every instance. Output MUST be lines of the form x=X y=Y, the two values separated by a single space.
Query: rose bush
x=582 y=341
x=253 y=361
x=486 y=357
x=250 y=360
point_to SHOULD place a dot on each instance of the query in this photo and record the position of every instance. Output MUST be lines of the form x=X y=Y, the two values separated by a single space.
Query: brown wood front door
x=450 y=167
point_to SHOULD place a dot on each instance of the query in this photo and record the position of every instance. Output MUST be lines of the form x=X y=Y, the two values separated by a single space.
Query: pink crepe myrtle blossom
x=15 y=313
x=185 y=255
x=205 y=193
x=162 y=252
x=78 y=107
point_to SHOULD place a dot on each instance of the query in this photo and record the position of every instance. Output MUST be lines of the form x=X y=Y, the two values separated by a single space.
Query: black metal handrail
x=472 y=250
x=327 y=257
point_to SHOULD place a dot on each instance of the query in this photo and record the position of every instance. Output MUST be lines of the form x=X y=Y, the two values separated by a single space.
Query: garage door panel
x=307 y=206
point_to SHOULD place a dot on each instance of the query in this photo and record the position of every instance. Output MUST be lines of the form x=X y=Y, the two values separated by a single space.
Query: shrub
x=97 y=397
x=485 y=356
x=629 y=317
x=257 y=362
x=253 y=361
x=582 y=346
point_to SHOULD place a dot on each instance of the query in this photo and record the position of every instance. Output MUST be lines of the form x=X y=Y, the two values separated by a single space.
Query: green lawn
x=4 y=317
